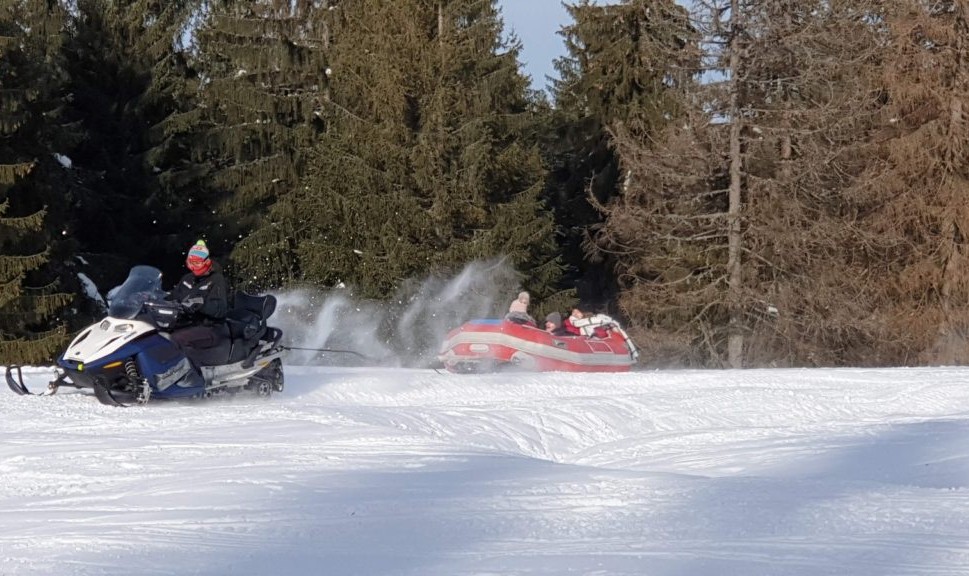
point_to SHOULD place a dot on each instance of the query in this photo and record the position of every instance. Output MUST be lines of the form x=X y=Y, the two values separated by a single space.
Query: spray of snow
x=405 y=331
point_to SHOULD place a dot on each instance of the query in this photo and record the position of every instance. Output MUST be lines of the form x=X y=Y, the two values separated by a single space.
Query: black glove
x=192 y=304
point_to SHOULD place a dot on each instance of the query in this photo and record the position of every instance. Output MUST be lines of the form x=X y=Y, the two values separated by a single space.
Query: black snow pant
x=199 y=337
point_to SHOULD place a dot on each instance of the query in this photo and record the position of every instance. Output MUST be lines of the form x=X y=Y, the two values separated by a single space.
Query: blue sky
x=536 y=22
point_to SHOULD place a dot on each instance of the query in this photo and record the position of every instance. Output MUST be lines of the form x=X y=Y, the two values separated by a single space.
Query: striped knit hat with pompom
x=198 y=259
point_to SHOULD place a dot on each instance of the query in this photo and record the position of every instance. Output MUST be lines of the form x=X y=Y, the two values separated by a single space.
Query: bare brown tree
x=913 y=199
x=735 y=47
x=810 y=99
x=734 y=218
x=668 y=232
x=651 y=229
x=678 y=226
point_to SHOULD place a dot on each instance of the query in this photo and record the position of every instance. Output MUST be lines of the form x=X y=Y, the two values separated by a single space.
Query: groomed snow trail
x=379 y=472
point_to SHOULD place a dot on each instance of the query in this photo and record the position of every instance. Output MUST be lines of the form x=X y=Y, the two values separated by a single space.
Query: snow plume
x=311 y=319
x=405 y=331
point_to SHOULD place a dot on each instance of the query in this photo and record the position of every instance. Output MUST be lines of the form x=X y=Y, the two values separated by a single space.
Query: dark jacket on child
x=205 y=297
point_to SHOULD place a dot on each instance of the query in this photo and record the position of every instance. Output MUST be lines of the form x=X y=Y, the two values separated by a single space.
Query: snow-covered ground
x=411 y=472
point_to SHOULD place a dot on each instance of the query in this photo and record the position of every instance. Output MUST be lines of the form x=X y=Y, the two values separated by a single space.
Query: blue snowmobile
x=129 y=357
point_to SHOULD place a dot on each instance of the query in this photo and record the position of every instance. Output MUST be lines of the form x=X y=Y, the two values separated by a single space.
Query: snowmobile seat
x=247 y=320
x=207 y=347
x=238 y=337
x=263 y=306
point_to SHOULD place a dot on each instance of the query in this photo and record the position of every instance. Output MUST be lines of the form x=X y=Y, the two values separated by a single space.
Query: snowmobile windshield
x=143 y=284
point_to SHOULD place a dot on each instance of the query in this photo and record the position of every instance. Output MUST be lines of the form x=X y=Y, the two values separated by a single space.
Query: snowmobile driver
x=203 y=294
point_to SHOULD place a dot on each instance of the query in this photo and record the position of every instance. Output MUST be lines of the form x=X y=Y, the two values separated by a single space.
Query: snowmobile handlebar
x=164 y=313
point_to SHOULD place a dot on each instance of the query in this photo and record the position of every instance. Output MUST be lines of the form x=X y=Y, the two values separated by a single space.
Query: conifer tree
x=128 y=78
x=732 y=230
x=160 y=33
x=810 y=102
x=664 y=227
x=613 y=78
x=625 y=89
x=30 y=178
x=263 y=77
x=429 y=160
x=912 y=201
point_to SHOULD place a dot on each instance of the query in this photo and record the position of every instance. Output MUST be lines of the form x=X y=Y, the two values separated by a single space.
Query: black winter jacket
x=205 y=297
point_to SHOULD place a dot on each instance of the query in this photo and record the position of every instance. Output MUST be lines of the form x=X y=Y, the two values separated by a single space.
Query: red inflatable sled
x=488 y=345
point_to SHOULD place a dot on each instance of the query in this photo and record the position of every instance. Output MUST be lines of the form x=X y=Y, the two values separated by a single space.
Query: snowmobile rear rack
x=275 y=335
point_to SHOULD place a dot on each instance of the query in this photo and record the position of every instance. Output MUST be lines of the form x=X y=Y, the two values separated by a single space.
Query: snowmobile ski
x=17 y=385
x=105 y=396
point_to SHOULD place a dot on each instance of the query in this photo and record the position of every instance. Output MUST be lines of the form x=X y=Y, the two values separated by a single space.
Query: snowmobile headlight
x=104 y=325
x=124 y=327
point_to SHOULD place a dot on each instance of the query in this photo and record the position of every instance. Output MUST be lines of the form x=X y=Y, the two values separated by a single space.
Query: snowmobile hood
x=103 y=338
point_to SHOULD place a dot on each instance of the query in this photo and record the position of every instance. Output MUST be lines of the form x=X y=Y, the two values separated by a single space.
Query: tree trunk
x=735 y=337
x=440 y=23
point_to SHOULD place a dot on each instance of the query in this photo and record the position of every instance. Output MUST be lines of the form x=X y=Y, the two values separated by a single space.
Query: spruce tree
x=128 y=78
x=734 y=233
x=30 y=180
x=613 y=78
x=664 y=231
x=160 y=33
x=810 y=101
x=624 y=86
x=911 y=203
x=430 y=156
x=262 y=70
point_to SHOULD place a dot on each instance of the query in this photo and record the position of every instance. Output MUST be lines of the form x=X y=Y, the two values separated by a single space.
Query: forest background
x=743 y=183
